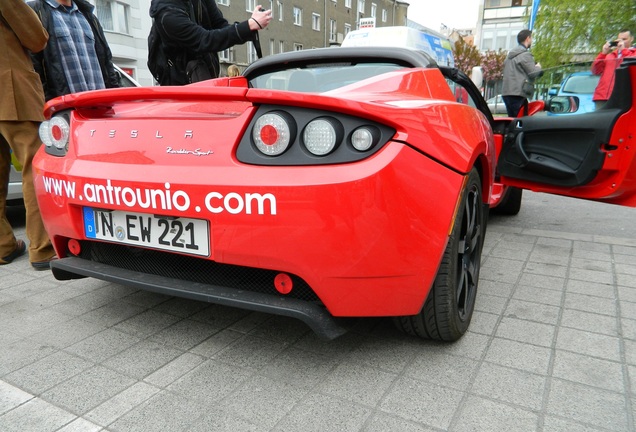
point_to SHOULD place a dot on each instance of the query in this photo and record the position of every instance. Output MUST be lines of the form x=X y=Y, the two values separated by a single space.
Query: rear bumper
x=314 y=315
x=367 y=238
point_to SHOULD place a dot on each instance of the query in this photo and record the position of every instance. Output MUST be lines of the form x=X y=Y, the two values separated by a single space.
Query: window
x=347 y=29
x=298 y=16
x=271 y=46
x=332 y=30
x=251 y=53
x=250 y=5
x=112 y=15
x=281 y=47
x=227 y=55
x=385 y=15
x=280 y=11
x=361 y=7
x=374 y=9
x=298 y=47
x=223 y=2
x=315 y=21
x=348 y=4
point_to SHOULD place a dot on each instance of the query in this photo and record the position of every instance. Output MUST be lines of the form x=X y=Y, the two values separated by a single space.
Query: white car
x=497 y=105
x=14 y=195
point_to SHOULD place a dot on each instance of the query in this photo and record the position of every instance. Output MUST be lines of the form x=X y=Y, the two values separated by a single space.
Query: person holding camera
x=190 y=33
x=606 y=63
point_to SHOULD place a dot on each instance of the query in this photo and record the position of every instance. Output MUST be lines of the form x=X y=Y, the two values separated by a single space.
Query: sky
x=453 y=13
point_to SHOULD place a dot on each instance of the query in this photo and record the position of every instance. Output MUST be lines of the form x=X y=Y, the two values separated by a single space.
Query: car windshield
x=581 y=84
x=321 y=78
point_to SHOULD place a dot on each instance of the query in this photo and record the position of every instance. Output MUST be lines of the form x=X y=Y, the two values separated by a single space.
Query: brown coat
x=21 y=95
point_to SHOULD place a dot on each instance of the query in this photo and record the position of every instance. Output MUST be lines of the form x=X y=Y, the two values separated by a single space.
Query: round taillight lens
x=362 y=139
x=271 y=134
x=55 y=132
x=320 y=137
x=45 y=137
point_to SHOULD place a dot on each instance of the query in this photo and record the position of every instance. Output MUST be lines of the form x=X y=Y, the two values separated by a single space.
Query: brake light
x=271 y=134
x=55 y=133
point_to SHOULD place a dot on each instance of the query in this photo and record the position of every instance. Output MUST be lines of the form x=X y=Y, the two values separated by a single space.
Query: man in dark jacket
x=194 y=31
x=520 y=71
x=20 y=117
x=71 y=61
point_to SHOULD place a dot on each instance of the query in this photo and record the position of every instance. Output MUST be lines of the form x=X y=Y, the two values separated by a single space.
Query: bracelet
x=257 y=23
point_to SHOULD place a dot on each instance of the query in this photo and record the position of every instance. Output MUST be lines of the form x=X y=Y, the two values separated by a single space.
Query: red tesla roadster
x=323 y=184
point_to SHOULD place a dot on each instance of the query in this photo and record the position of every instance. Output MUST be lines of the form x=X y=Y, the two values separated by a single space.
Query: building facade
x=499 y=23
x=297 y=25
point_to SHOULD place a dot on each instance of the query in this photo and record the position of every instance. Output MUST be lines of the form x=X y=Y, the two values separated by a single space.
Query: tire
x=449 y=306
x=511 y=203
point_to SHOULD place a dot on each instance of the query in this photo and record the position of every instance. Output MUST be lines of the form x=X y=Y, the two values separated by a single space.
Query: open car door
x=590 y=156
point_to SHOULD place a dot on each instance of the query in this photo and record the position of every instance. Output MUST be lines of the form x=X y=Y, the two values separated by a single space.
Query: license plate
x=184 y=235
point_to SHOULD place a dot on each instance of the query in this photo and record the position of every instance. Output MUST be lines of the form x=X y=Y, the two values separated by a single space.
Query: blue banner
x=533 y=13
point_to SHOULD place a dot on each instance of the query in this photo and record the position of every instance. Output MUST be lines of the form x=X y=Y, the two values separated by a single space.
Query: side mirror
x=552 y=92
x=563 y=104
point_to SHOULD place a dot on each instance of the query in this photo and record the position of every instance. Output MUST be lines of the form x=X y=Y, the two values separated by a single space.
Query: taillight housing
x=55 y=134
x=300 y=136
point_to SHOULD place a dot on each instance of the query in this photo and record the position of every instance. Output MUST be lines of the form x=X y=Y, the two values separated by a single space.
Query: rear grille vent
x=192 y=269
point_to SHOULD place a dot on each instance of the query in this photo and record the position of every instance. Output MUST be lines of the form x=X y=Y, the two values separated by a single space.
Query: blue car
x=581 y=85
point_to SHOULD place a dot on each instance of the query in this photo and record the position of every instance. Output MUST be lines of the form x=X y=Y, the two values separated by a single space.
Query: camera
x=613 y=43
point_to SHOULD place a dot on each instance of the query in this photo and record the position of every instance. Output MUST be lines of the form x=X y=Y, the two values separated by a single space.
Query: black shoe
x=43 y=265
x=19 y=251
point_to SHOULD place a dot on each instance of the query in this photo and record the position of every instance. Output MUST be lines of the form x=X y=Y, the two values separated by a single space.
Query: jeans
x=514 y=104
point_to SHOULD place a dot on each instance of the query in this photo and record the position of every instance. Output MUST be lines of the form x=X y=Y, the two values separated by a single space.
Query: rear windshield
x=321 y=78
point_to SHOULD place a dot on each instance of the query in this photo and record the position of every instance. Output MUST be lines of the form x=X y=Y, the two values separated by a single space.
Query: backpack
x=158 y=62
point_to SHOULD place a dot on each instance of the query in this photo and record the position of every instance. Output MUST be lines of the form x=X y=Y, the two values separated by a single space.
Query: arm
x=25 y=24
x=180 y=32
x=532 y=69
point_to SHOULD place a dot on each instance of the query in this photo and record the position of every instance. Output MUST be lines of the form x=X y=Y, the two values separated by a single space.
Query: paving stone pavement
x=552 y=348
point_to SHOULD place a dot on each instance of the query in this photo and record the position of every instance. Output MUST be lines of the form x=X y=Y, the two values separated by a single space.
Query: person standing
x=520 y=71
x=606 y=63
x=77 y=57
x=192 y=32
x=21 y=111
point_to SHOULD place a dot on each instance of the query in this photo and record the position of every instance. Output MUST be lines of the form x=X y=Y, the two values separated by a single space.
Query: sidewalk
x=552 y=347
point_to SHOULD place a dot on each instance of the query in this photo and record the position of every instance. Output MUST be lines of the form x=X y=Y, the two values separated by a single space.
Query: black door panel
x=561 y=150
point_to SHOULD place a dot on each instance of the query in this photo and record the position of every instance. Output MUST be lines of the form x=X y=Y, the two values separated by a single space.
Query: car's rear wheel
x=449 y=307
x=511 y=202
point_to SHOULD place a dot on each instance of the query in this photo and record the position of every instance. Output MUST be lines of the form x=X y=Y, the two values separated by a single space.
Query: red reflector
x=74 y=247
x=56 y=133
x=269 y=135
x=283 y=283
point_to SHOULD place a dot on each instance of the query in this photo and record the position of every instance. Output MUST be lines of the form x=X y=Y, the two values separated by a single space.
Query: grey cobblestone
x=552 y=348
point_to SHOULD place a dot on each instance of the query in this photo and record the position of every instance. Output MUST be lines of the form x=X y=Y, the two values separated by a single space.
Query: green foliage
x=466 y=56
x=568 y=31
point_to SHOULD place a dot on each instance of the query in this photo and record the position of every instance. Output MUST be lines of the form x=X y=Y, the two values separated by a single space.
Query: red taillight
x=269 y=135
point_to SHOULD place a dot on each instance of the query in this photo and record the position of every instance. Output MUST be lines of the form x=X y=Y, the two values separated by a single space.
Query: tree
x=492 y=66
x=466 y=56
x=568 y=31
